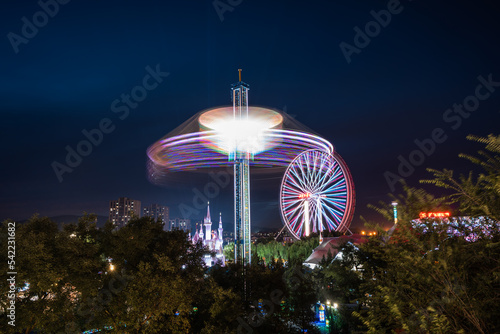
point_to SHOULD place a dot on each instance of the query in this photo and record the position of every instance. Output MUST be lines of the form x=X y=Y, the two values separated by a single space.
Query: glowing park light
x=110 y=263
x=424 y=215
x=395 y=211
x=321 y=313
x=305 y=195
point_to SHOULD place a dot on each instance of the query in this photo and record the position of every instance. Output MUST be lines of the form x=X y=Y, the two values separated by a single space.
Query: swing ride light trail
x=197 y=150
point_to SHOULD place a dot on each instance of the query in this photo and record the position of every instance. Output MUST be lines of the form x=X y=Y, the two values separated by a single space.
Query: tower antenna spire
x=239 y=73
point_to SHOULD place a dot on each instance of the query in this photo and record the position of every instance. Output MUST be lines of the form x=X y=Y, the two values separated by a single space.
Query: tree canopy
x=139 y=278
x=437 y=276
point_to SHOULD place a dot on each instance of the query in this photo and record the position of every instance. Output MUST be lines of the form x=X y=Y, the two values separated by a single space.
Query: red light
x=423 y=215
x=306 y=195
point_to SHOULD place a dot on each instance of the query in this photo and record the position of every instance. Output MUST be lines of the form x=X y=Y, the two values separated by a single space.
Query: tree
x=437 y=276
x=423 y=280
x=228 y=251
x=138 y=278
x=300 y=299
x=167 y=279
x=411 y=201
x=475 y=195
x=55 y=268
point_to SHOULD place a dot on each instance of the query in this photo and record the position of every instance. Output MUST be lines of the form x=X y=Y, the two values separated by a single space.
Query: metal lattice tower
x=242 y=236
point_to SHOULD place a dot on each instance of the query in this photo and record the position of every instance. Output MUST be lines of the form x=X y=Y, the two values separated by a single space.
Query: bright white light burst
x=241 y=136
x=246 y=135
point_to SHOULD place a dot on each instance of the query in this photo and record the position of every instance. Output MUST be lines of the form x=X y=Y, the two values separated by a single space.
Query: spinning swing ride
x=317 y=191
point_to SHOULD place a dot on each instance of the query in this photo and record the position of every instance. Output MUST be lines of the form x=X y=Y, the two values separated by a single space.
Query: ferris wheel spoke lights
x=316 y=194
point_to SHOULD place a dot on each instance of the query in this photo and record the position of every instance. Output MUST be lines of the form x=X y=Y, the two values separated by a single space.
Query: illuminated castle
x=213 y=240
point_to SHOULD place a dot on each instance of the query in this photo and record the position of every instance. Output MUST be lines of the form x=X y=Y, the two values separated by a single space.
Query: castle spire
x=208 y=224
x=208 y=212
x=221 y=237
x=196 y=235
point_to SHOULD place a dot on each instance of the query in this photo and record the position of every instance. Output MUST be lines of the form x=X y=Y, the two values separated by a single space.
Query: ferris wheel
x=317 y=194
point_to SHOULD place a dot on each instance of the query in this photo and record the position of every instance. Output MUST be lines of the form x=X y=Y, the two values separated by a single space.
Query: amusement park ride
x=317 y=191
x=241 y=157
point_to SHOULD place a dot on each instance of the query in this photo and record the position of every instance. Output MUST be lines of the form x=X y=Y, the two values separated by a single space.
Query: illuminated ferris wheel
x=317 y=194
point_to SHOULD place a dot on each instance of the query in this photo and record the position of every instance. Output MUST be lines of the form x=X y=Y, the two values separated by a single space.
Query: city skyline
x=393 y=100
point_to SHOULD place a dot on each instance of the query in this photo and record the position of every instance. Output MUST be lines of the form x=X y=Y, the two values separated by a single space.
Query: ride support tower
x=241 y=158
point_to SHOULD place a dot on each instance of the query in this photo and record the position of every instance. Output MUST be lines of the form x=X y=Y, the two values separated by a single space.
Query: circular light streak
x=316 y=191
x=193 y=151
x=220 y=137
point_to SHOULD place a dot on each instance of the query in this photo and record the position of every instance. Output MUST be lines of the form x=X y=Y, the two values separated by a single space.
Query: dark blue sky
x=396 y=89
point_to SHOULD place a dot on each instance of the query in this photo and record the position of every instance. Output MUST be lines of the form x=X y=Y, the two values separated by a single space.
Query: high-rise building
x=156 y=212
x=179 y=224
x=122 y=210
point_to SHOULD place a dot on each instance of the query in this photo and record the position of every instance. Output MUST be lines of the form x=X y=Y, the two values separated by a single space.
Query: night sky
x=395 y=88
